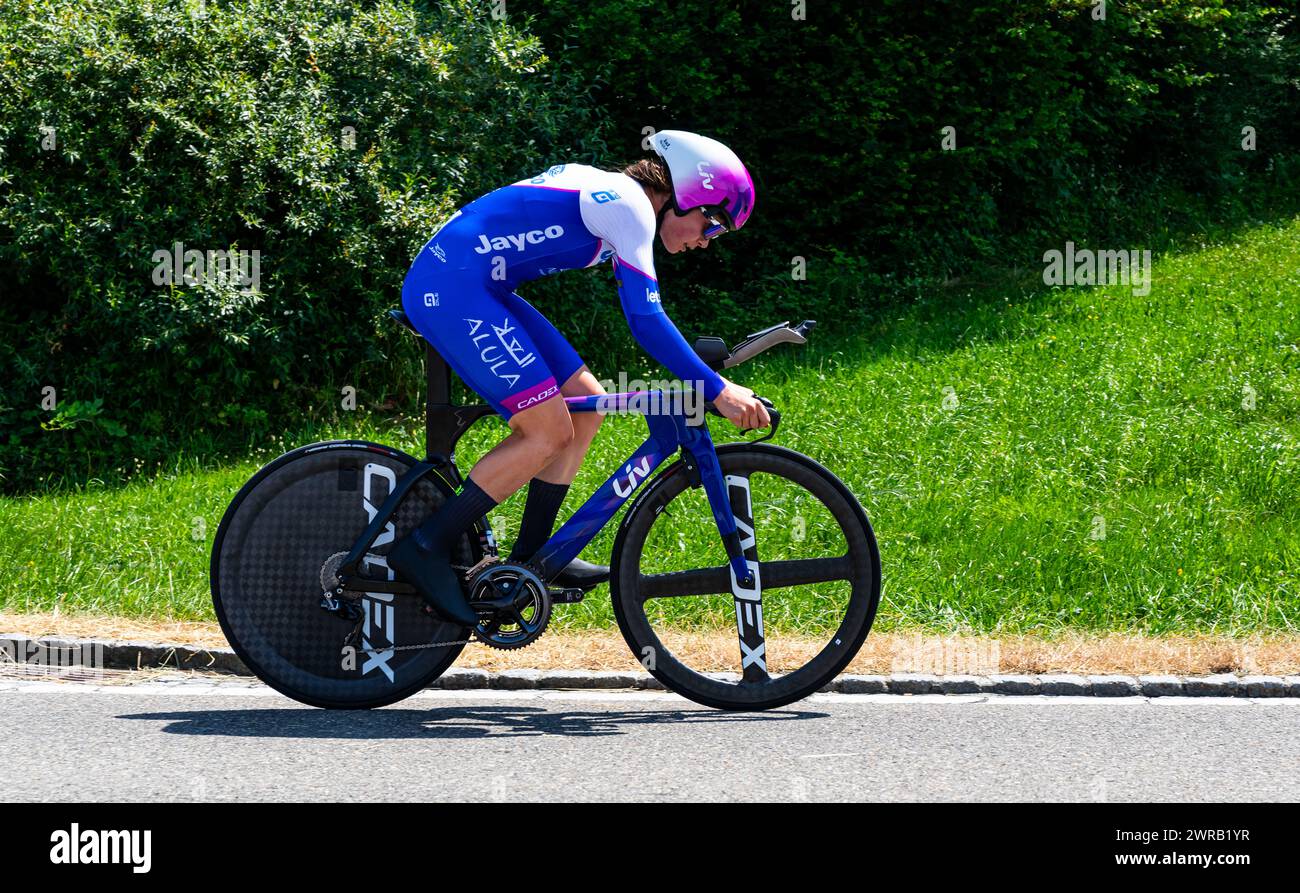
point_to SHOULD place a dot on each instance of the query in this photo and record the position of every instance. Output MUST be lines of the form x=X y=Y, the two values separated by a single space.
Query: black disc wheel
x=762 y=646
x=278 y=540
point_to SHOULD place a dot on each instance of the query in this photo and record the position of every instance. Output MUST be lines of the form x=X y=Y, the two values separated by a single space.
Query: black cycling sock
x=540 y=511
x=441 y=531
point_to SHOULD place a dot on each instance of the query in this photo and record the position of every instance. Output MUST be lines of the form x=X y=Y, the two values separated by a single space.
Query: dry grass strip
x=884 y=653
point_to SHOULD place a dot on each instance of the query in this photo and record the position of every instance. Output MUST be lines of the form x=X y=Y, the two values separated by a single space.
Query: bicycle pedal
x=566 y=596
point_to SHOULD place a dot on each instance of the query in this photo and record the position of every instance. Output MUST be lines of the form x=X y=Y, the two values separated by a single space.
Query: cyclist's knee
x=581 y=383
x=548 y=425
x=562 y=433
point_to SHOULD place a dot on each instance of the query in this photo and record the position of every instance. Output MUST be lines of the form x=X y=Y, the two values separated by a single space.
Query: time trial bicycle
x=748 y=536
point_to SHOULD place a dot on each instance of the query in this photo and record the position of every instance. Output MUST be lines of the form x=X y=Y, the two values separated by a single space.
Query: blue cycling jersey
x=460 y=294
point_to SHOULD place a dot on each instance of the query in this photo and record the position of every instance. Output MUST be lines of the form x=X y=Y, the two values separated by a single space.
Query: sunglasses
x=717 y=226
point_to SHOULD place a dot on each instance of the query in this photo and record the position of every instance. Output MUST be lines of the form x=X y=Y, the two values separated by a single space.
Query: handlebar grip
x=772 y=411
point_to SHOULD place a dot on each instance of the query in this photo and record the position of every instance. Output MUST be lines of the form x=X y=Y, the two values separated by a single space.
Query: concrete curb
x=111 y=654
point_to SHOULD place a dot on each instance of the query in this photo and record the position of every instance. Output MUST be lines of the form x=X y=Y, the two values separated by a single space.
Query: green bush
x=1061 y=121
x=222 y=126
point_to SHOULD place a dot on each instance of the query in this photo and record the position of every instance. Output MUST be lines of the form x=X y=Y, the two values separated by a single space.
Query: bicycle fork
x=733 y=512
x=729 y=501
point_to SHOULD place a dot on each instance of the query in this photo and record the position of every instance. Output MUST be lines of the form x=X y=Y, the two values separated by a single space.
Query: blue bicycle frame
x=671 y=429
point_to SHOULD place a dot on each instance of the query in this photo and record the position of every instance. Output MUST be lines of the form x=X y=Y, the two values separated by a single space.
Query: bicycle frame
x=670 y=430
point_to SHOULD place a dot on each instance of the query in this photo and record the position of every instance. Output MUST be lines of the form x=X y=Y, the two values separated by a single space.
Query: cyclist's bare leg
x=545 y=441
x=564 y=467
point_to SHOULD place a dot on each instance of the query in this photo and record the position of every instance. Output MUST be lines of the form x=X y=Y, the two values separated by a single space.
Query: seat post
x=437 y=377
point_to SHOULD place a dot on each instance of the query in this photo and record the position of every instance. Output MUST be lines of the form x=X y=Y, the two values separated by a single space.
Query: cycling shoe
x=579 y=574
x=432 y=576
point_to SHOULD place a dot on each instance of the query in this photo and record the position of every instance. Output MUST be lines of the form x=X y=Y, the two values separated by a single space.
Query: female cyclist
x=460 y=294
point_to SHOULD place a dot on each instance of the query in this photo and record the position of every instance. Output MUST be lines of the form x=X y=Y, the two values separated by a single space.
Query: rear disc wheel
x=273 y=548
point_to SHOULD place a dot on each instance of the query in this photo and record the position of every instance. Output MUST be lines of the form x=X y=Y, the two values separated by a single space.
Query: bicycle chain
x=415 y=647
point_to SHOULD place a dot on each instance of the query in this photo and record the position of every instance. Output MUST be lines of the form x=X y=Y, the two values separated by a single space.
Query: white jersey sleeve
x=616 y=208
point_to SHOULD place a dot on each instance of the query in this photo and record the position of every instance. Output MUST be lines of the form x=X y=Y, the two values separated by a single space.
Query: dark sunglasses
x=717 y=225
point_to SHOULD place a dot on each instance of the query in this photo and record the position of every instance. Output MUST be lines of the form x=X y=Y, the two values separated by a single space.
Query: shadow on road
x=442 y=722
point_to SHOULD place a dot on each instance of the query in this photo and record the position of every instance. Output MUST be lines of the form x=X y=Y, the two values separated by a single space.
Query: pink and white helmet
x=706 y=174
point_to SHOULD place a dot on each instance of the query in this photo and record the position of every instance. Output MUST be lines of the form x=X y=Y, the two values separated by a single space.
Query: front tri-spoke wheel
x=747 y=648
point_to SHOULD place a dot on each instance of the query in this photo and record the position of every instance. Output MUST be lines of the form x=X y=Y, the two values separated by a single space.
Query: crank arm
x=363 y=584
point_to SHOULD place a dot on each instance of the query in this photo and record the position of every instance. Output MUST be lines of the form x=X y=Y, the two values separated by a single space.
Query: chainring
x=524 y=619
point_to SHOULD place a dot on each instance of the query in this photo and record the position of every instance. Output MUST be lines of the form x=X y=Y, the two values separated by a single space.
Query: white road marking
x=826 y=756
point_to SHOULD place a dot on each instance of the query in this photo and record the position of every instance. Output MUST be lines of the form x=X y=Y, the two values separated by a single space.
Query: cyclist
x=459 y=293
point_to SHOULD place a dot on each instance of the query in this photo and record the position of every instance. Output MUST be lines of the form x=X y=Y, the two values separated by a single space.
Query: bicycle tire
x=628 y=587
x=265 y=576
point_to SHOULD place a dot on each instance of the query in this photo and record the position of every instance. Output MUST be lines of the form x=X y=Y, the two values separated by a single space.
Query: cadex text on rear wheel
x=746 y=543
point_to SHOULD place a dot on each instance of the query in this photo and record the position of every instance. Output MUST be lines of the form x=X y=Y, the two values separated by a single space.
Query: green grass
x=1102 y=461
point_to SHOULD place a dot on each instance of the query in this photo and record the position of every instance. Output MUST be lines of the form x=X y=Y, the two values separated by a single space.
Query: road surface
x=176 y=739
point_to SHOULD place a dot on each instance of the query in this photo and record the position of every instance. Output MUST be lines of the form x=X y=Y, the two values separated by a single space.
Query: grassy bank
x=1032 y=460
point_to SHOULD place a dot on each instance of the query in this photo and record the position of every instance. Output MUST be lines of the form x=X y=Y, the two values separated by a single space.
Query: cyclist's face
x=684 y=233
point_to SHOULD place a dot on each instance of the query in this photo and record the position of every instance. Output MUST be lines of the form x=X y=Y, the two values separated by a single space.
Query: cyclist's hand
x=741 y=408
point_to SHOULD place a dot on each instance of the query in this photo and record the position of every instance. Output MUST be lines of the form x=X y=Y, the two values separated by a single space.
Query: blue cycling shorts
x=498 y=343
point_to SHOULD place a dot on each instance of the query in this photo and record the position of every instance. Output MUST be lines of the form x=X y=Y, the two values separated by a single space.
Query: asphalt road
x=234 y=741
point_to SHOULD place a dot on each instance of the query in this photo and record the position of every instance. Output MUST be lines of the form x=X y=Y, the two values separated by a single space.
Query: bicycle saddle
x=400 y=316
